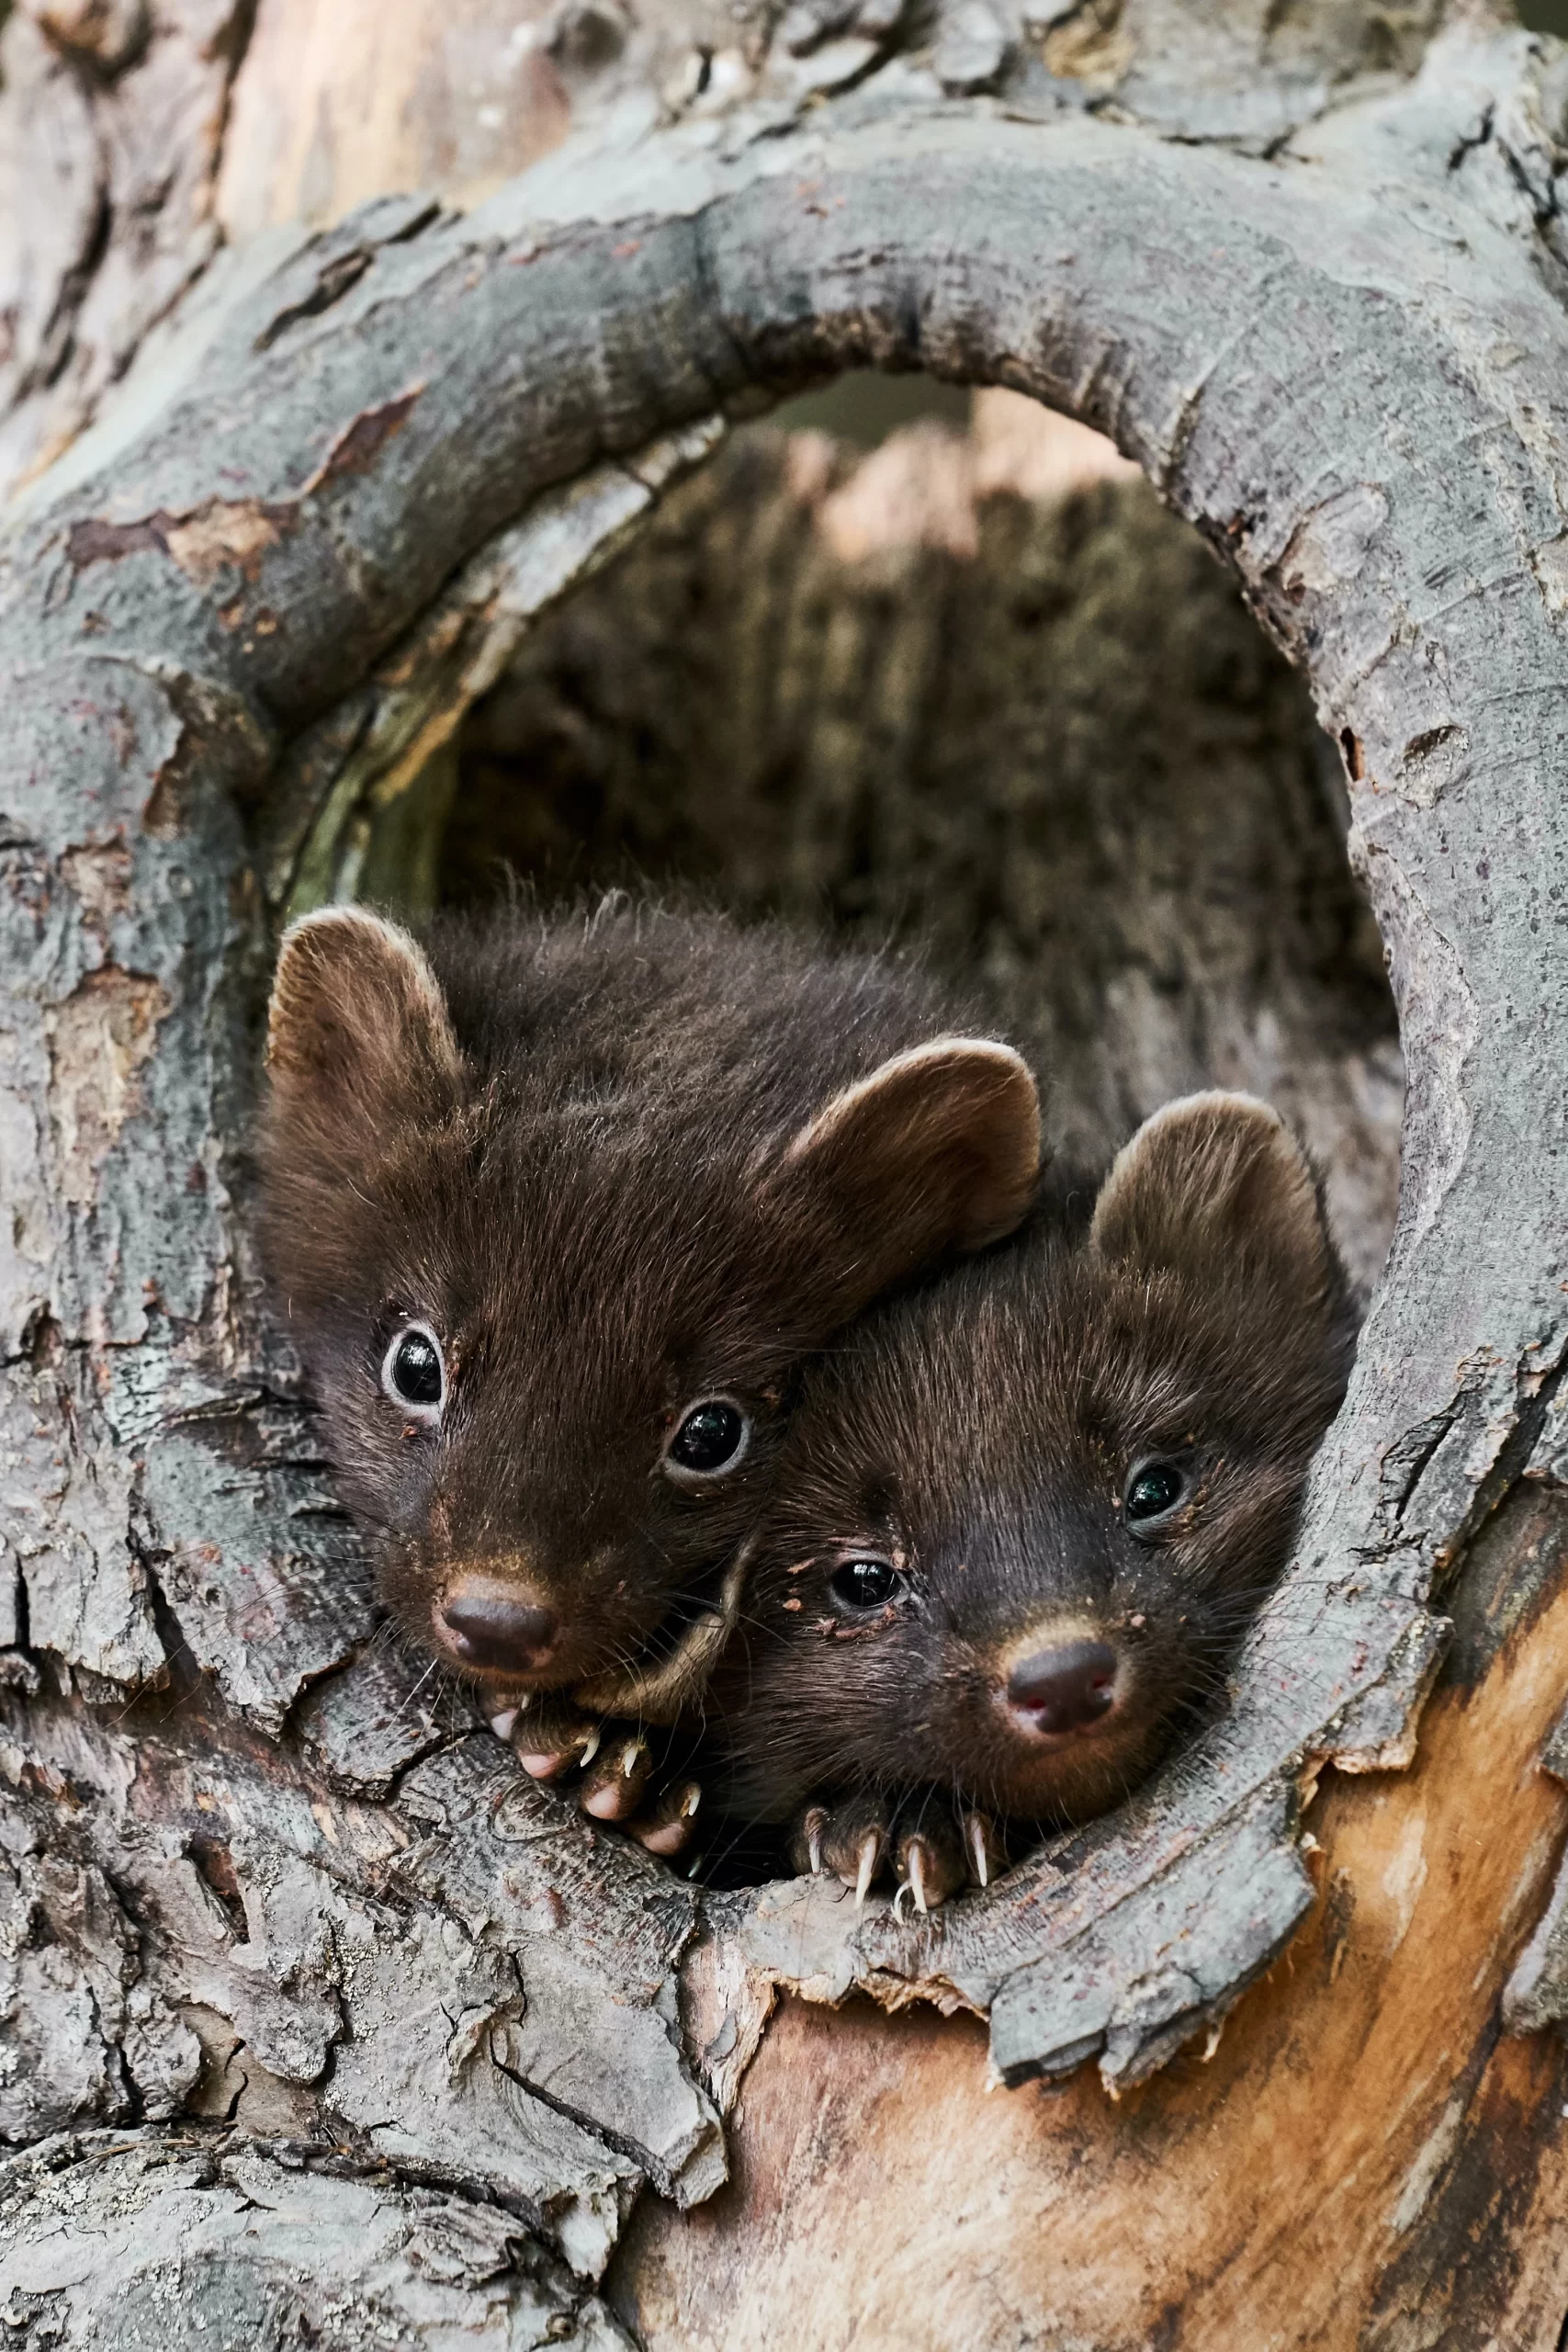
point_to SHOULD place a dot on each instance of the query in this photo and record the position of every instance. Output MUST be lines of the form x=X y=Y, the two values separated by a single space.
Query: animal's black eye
x=1153 y=1489
x=867 y=1583
x=709 y=1440
x=412 y=1372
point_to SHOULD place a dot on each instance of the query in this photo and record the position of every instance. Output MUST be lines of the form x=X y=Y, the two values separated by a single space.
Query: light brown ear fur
x=935 y=1153
x=1216 y=1181
x=357 y=1025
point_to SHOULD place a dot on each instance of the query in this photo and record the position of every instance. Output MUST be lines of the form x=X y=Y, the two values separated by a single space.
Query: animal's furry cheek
x=843 y=1631
x=391 y=1485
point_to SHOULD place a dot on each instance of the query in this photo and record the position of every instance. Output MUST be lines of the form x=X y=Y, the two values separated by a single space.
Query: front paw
x=927 y=1848
x=670 y=1823
x=549 y=1736
x=605 y=1769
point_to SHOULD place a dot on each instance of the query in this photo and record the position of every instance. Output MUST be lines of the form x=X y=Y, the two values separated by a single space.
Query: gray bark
x=239 y=2248
x=249 y=1882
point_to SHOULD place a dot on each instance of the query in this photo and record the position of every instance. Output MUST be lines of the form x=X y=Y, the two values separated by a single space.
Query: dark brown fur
x=569 y=1153
x=979 y=1433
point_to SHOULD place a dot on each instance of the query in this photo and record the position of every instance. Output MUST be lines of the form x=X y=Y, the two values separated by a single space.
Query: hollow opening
x=907 y=663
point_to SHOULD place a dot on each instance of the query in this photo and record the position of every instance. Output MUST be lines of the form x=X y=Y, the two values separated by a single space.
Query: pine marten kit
x=732 y=1400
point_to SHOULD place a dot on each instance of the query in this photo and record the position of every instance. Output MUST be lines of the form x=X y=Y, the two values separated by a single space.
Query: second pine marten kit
x=722 y=1393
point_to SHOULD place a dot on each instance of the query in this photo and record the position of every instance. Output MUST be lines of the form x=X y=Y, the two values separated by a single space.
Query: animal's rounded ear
x=1217 y=1185
x=935 y=1153
x=357 y=1029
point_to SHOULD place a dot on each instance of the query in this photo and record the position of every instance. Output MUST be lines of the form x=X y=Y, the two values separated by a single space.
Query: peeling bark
x=424 y=1985
x=256 y=1876
x=204 y=2240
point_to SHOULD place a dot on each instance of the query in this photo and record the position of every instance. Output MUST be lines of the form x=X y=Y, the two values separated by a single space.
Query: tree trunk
x=320 y=2024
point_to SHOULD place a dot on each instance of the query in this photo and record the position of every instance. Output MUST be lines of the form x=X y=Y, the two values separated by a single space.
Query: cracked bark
x=271 y=1909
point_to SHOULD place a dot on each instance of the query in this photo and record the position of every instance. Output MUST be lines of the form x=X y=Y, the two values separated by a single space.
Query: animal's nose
x=1064 y=1689
x=495 y=1627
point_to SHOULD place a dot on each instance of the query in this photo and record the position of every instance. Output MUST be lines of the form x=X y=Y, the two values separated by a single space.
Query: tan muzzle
x=658 y=1694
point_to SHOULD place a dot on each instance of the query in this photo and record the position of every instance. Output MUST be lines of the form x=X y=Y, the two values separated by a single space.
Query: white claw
x=816 y=1823
x=904 y=1888
x=630 y=1754
x=977 y=1848
x=870 y=1847
x=502 y=1724
x=591 y=1745
x=690 y=1802
x=917 y=1862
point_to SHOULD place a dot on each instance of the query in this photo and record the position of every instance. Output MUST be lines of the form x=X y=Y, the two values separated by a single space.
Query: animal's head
x=1022 y=1515
x=551 y=1326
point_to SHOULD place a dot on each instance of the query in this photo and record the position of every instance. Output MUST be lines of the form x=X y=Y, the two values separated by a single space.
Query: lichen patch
x=99 y=1038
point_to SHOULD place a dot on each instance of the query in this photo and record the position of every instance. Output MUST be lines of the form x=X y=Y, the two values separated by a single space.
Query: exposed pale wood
x=365 y=99
x=110 y=132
